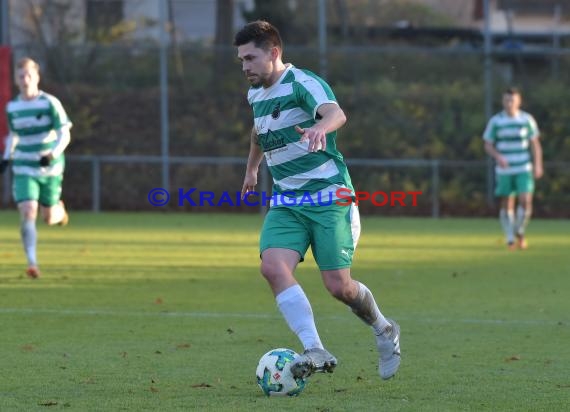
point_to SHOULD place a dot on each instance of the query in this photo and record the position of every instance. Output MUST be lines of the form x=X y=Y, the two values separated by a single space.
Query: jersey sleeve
x=490 y=134
x=533 y=128
x=59 y=116
x=9 y=122
x=312 y=92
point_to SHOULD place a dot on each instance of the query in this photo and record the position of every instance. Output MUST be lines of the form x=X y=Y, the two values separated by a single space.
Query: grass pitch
x=168 y=312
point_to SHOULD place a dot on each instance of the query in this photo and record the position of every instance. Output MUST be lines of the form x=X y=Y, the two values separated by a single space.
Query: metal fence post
x=163 y=83
x=488 y=78
x=435 y=188
x=322 y=30
x=556 y=41
x=96 y=182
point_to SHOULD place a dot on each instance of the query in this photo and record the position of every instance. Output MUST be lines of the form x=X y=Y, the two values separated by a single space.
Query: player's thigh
x=50 y=190
x=283 y=228
x=25 y=188
x=277 y=267
x=335 y=232
x=505 y=185
x=524 y=183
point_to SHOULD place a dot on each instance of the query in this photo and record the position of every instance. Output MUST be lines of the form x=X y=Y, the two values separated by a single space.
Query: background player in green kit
x=39 y=133
x=510 y=137
x=295 y=121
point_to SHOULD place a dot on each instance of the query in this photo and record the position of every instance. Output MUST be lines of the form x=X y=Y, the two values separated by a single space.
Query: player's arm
x=491 y=151
x=536 y=148
x=63 y=137
x=62 y=140
x=11 y=141
x=331 y=117
x=253 y=162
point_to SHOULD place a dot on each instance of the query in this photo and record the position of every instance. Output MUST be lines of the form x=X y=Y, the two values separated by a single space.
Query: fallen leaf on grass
x=183 y=346
x=47 y=403
x=201 y=385
x=513 y=358
x=153 y=389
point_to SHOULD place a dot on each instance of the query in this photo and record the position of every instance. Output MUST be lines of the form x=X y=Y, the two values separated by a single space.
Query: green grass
x=168 y=312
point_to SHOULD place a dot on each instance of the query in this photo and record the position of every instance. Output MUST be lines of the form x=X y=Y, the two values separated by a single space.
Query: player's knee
x=271 y=271
x=340 y=290
x=28 y=213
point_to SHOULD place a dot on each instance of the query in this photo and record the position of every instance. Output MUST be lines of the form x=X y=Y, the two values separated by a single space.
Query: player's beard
x=258 y=80
x=255 y=81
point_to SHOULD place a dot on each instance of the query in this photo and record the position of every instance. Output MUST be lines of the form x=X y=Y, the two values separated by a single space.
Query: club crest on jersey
x=276 y=111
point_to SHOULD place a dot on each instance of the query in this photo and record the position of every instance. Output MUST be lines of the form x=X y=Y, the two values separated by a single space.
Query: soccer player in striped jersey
x=512 y=138
x=39 y=134
x=296 y=117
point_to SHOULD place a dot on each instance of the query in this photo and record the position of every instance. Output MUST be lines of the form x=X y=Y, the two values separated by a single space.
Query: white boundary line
x=244 y=315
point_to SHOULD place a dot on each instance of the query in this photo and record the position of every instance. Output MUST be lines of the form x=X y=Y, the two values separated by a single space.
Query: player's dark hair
x=263 y=34
x=27 y=61
x=512 y=91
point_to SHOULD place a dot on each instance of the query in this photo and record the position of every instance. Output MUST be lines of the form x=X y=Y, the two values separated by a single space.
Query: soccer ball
x=274 y=375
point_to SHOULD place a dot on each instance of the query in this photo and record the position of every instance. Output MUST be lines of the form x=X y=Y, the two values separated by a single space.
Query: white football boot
x=311 y=361
x=388 y=344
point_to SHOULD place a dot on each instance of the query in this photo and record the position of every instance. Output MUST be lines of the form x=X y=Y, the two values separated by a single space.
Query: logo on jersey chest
x=276 y=111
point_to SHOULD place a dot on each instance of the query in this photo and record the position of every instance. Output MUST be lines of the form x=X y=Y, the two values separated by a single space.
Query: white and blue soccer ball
x=274 y=375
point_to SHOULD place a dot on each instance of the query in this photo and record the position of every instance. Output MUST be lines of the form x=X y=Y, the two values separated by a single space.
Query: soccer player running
x=510 y=137
x=296 y=116
x=39 y=133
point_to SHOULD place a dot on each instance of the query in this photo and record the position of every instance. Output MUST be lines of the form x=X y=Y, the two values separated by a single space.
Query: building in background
x=51 y=21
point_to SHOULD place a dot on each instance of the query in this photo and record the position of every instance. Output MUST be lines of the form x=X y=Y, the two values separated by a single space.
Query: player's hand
x=502 y=162
x=45 y=161
x=4 y=165
x=538 y=172
x=317 y=138
x=248 y=184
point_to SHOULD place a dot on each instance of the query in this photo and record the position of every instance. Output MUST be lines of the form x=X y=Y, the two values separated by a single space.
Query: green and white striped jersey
x=511 y=136
x=297 y=173
x=34 y=124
